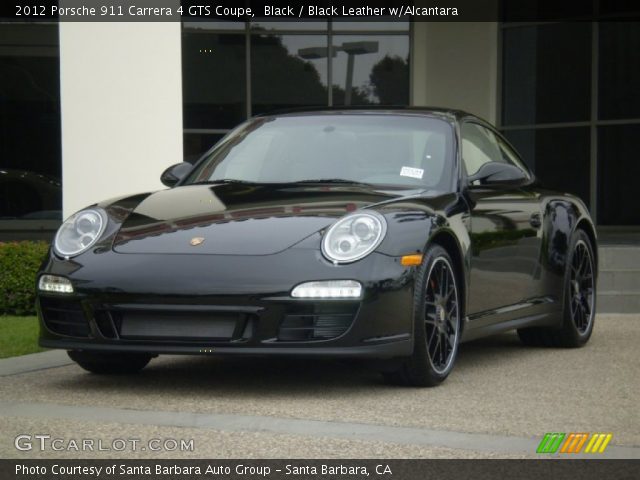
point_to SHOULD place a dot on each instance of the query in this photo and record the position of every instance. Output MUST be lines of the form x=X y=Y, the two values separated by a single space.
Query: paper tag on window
x=411 y=172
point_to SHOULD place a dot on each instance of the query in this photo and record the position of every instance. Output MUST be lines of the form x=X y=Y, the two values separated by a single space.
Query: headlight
x=354 y=237
x=79 y=232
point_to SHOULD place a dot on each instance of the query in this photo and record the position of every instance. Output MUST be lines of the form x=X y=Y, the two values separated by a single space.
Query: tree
x=281 y=78
x=389 y=80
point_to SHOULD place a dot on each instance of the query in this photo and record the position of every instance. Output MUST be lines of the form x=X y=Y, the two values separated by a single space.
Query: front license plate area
x=178 y=326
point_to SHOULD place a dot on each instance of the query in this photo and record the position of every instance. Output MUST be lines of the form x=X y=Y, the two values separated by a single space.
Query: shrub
x=19 y=263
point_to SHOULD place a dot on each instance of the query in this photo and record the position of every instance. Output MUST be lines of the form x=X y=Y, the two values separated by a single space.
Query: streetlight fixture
x=351 y=49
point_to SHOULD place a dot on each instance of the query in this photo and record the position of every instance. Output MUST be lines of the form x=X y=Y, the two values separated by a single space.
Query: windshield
x=381 y=150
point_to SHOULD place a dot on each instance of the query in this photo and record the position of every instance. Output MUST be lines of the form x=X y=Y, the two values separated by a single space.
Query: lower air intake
x=64 y=317
x=299 y=328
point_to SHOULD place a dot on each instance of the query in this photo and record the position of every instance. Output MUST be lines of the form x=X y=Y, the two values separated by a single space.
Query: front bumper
x=213 y=304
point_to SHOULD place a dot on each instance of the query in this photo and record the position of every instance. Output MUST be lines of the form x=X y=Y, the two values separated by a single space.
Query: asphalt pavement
x=500 y=400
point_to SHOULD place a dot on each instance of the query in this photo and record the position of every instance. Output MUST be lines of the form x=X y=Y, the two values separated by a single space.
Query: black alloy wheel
x=437 y=322
x=582 y=300
x=441 y=316
x=579 y=303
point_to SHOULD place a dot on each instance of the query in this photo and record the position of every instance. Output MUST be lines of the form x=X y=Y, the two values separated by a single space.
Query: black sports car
x=388 y=234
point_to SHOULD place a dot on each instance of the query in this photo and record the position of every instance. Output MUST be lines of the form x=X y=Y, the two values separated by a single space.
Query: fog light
x=328 y=289
x=53 y=283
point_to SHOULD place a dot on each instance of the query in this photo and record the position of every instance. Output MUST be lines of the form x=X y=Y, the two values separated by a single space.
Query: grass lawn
x=18 y=336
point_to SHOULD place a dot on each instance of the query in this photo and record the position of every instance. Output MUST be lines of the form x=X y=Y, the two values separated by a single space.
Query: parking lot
x=500 y=400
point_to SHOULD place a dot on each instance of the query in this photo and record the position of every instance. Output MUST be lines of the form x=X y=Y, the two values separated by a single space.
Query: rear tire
x=437 y=315
x=110 y=363
x=579 y=301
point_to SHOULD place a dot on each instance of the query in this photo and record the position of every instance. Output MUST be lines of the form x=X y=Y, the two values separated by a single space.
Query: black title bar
x=297 y=11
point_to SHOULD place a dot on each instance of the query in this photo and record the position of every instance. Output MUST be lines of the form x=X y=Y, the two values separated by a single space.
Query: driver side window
x=479 y=146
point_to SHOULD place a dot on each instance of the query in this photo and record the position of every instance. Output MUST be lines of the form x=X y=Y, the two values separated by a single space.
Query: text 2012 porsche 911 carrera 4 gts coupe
x=387 y=234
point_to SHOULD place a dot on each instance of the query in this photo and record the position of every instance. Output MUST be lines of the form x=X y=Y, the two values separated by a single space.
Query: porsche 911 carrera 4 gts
x=389 y=234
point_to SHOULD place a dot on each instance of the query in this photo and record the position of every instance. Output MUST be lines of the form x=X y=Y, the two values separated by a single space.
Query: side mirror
x=497 y=173
x=175 y=173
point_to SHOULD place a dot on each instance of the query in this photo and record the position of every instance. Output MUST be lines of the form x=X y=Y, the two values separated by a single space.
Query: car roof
x=452 y=114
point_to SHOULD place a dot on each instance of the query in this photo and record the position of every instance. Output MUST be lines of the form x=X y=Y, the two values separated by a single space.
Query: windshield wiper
x=340 y=181
x=222 y=180
x=333 y=180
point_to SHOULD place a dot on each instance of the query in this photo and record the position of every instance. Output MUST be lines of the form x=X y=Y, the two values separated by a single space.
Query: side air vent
x=64 y=317
x=300 y=328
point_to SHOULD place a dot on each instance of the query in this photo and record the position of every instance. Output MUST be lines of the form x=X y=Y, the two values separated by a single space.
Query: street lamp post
x=351 y=49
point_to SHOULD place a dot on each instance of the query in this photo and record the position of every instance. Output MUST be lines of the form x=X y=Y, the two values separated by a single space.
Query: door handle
x=535 y=221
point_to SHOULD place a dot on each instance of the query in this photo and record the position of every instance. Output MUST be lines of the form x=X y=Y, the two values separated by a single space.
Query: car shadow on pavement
x=232 y=375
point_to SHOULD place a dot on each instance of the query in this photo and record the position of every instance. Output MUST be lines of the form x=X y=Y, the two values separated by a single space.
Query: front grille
x=64 y=317
x=321 y=325
x=178 y=325
x=182 y=323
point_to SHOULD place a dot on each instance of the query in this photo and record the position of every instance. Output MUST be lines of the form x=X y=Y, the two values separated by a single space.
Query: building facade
x=91 y=111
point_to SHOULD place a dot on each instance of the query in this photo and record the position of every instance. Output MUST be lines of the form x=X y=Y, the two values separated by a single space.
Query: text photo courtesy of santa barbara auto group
x=324 y=239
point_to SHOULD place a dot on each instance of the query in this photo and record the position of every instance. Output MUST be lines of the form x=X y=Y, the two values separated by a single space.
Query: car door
x=504 y=229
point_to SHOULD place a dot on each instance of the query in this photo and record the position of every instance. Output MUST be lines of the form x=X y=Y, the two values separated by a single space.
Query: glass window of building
x=574 y=120
x=618 y=70
x=232 y=71
x=618 y=173
x=371 y=70
x=213 y=80
x=539 y=85
x=30 y=134
x=288 y=71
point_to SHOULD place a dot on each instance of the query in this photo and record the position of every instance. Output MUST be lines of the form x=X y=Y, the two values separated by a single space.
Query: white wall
x=121 y=89
x=455 y=65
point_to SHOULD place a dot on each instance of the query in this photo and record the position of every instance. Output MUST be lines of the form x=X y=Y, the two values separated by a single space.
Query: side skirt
x=541 y=319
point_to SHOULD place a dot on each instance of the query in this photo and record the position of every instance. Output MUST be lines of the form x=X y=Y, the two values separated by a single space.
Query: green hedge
x=19 y=263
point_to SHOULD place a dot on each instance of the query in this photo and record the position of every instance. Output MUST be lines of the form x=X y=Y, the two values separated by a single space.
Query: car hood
x=236 y=219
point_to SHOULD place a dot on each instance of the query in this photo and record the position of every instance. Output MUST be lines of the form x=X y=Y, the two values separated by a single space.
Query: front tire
x=579 y=301
x=109 y=363
x=437 y=315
